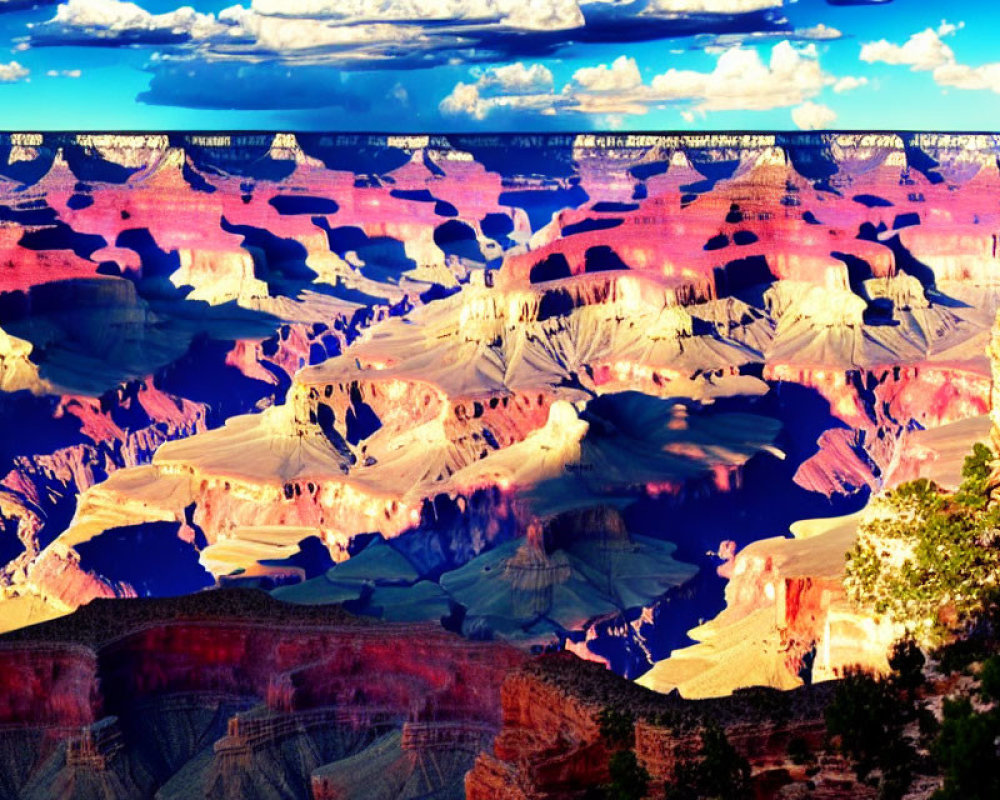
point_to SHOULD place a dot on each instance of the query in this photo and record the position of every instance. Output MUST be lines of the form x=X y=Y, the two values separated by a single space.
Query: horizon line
x=593 y=132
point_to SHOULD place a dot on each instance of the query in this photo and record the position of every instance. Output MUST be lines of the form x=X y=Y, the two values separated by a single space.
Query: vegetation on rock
x=716 y=771
x=967 y=749
x=868 y=718
x=927 y=558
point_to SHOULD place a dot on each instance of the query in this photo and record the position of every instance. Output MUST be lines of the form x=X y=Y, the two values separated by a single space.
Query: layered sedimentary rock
x=202 y=696
x=550 y=744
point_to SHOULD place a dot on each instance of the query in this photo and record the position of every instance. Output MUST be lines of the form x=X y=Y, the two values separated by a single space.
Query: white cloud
x=388 y=31
x=962 y=76
x=710 y=6
x=947 y=29
x=849 y=83
x=541 y=15
x=813 y=116
x=820 y=31
x=291 y=35
x=719 y=43
x=922 y=51
x=13 y=72
x=64 y=73
x=521 y=14
x=513 y=86
x=112 y=18
x=925 y=51
x=311 y=30
x=741 y=80
x=623 y=74
x=517 y=78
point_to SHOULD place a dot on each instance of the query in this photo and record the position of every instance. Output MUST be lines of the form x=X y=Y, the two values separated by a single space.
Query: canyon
x=479 y=397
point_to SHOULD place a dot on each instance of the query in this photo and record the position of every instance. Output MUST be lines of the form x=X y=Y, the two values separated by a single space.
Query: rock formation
x=231 y=693
x=550 y=744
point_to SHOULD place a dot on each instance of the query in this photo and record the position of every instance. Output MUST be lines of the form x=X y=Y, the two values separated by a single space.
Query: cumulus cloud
x=510 y=87
x=962 y=76
x=398 y=33
x=922 y=51
x=117 y=20
x=849 y=83
x=291 y=27
x=710 y=6
x=13 y=72
x=740 y=80
x=821 y=32
x=813 y=116
x=925 y=51
x=622 y=75
x=517 y=78
x=293 y=36
x=64 y=73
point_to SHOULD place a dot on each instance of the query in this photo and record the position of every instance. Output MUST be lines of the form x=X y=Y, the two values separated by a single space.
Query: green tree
x=867 y=715
x=989 y=680
x=718 y=772
x=928 y=558
x=966 y=751
x=974 y=491
x=907 y=663
x=629 y=779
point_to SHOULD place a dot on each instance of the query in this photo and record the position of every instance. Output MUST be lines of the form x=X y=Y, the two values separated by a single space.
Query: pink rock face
x=423 y=672
x=48 y=686
x=226 y=677
x=929 y=395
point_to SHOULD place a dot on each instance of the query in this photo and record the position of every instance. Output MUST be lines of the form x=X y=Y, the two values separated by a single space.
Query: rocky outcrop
x=787 y=616
x=132 y=694
x=550 y=744
x=425 y=407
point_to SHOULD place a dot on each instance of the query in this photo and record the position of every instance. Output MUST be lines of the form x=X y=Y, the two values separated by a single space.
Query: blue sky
x=465 y=65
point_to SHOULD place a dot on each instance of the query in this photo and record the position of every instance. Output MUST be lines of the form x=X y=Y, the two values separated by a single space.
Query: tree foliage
x=865 y=716
x=907 y=664
x=928 y=558
x=629 y=779
x=870 y=715
x=966 y=751
x=717 y=772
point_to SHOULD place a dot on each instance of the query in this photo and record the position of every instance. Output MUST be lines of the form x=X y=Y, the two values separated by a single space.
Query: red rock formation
x=550 y=745
x=48 y=685
x=307 y=668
